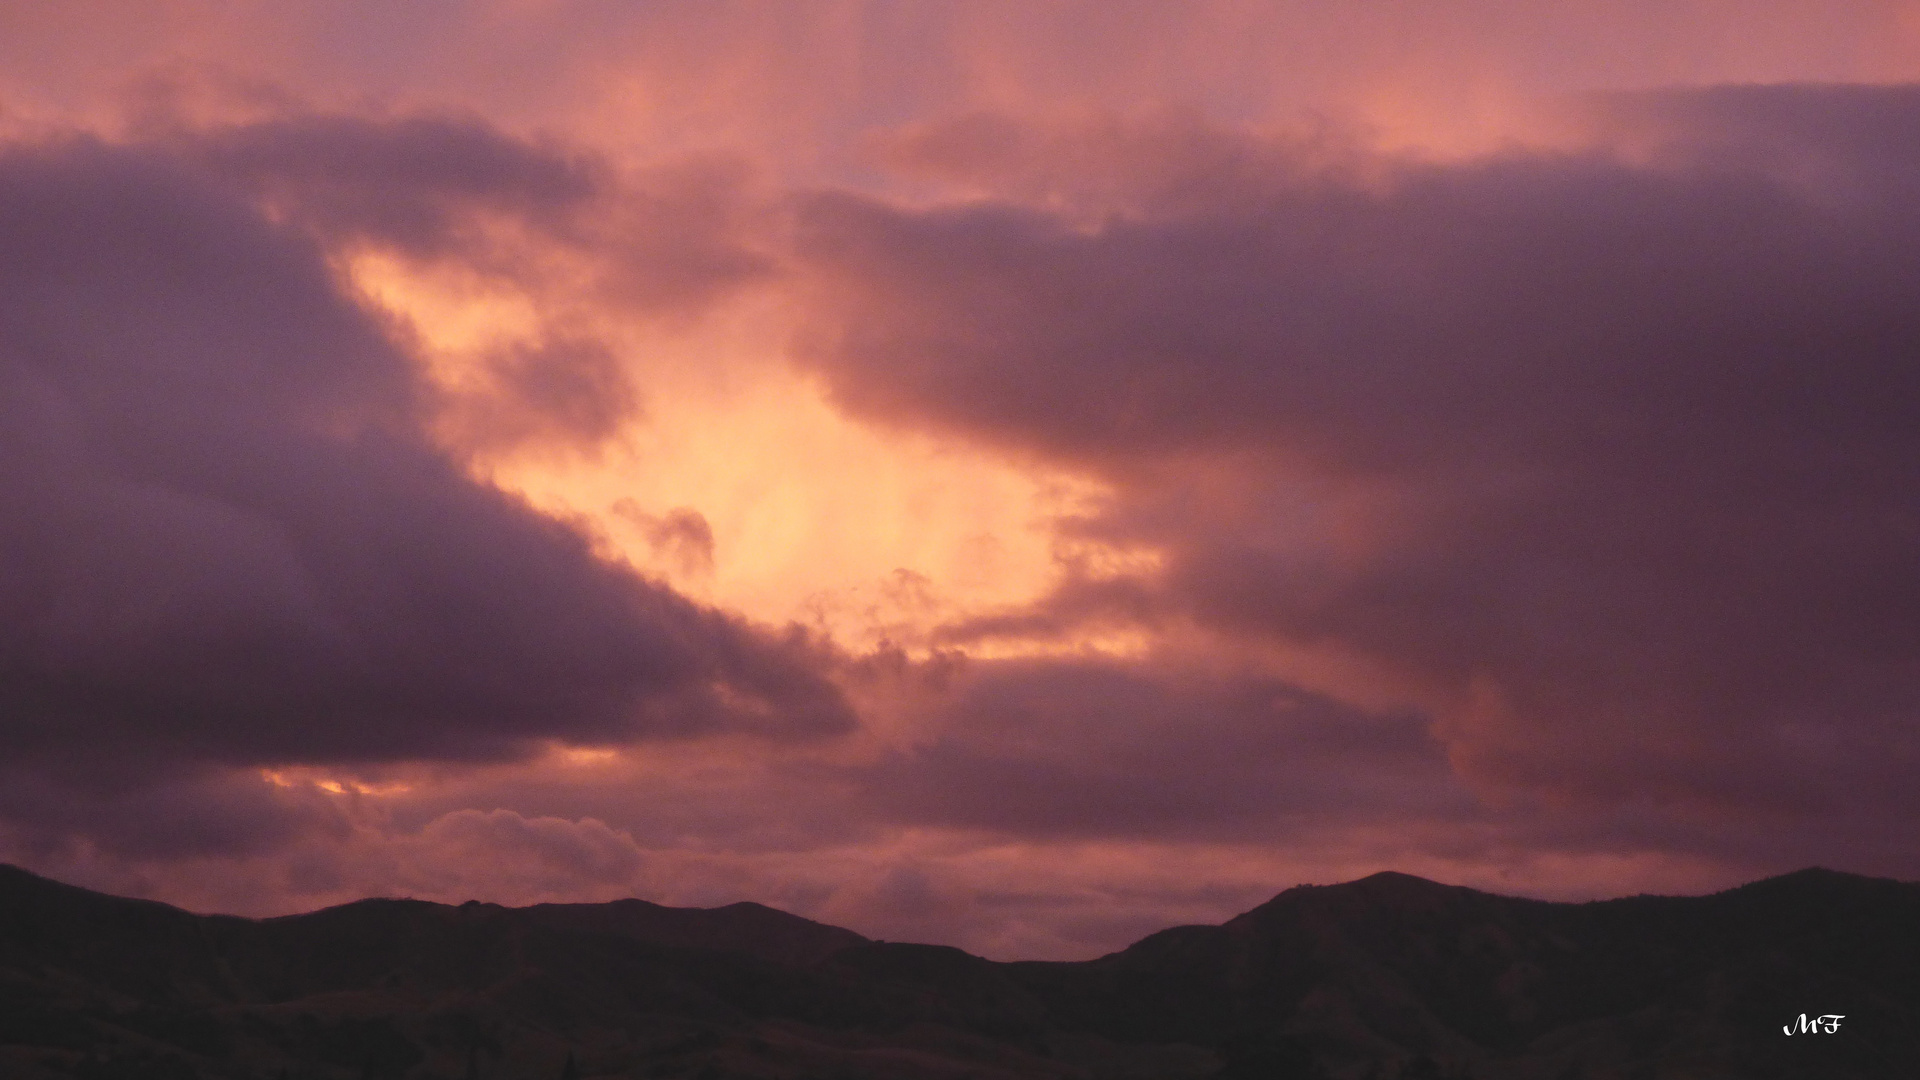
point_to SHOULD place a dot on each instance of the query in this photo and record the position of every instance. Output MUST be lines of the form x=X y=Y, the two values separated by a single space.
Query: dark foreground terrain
x=1388 y=977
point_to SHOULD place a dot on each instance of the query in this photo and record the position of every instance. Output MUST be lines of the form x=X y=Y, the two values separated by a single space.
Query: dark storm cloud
x=1052 y=748
x=1617 y=452
x=224 y=537
x=126 y=810
x=560 y=227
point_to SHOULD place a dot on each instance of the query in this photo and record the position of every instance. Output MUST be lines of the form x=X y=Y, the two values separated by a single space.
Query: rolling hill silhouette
x=1388 y=977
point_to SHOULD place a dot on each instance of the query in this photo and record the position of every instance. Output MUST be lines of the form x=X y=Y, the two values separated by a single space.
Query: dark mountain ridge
x=1389 y=976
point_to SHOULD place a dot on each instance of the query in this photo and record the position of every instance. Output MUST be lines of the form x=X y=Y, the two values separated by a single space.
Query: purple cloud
x=225 y=536
x=1612 y=451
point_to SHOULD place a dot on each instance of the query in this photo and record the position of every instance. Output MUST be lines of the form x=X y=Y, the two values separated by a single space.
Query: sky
x=1012 y=475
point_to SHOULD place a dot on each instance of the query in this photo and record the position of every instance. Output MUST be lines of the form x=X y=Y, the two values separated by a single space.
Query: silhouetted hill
x=753 y=929
x=1388 y=977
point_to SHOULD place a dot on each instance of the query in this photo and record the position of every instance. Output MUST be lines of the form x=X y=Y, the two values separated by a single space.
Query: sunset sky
x=1015 y=475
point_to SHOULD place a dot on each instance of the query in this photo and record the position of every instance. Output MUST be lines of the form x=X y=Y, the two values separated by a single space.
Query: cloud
x=581 y=251
x=227 y=537
x=566 y=392
x=1608 y=450
x=415 y=182
x=681 y=535
x=1083 y=748
x=666 y=237
x=1574 y=479
x=549 y=856
x=123 y=812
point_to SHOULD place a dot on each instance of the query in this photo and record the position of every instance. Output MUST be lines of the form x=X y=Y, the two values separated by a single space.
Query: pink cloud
x=1602 y=451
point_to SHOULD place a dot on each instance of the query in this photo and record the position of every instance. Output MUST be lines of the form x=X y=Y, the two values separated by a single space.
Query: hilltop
x=1386 y=977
